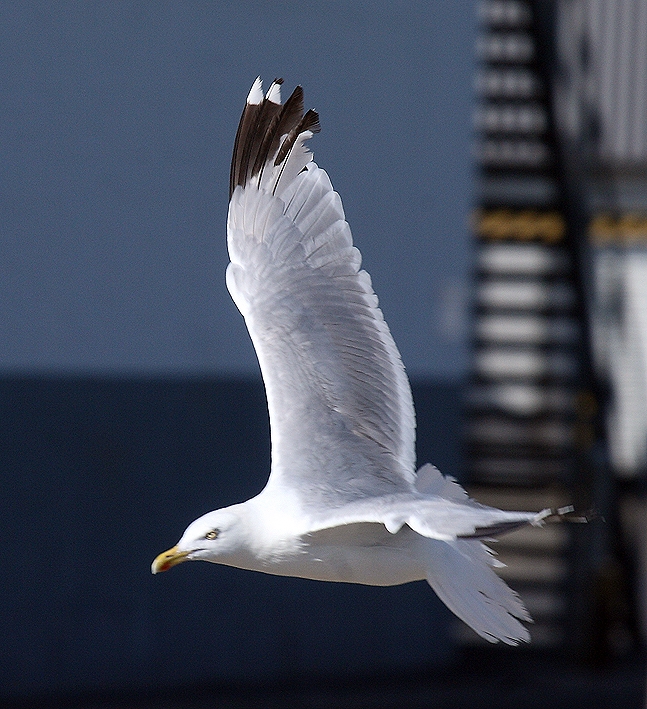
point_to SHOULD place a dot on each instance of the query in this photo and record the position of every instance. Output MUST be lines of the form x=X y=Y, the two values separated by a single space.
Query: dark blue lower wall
x=100 y=475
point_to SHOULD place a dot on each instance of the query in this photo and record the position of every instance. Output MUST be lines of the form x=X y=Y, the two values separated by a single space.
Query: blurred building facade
x=601 y=104
x=557 y=401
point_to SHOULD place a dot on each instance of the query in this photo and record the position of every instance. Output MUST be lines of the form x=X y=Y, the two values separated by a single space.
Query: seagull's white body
x=343 y=501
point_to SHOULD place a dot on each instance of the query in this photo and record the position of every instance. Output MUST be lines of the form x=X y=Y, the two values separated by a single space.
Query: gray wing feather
x=340 y=405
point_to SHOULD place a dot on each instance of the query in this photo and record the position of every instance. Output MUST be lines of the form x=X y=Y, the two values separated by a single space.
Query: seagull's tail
x=460 y=572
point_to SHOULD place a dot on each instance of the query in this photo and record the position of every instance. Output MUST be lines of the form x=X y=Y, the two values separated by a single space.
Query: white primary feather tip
x=255 y=95
x=274 y=92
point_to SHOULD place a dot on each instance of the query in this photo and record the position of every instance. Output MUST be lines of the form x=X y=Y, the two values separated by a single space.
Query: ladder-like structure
x=530 y=411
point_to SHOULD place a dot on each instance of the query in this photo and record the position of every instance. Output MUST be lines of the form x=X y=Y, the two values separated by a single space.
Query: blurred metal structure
x=560 y=304
x=601 y=98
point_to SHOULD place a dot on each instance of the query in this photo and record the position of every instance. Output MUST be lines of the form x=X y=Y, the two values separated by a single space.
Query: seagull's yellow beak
x=167 y=559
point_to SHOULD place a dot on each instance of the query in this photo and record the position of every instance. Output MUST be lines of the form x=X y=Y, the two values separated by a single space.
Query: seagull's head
x=218 y=536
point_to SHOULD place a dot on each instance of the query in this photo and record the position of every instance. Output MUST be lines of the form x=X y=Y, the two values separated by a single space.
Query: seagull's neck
x=272 y=527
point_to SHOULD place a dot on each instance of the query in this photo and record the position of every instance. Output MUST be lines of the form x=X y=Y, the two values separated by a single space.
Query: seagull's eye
x=213 y=534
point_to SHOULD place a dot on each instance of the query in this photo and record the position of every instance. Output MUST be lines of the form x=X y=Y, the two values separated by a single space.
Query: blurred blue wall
x=101 y=475
x=117 y=123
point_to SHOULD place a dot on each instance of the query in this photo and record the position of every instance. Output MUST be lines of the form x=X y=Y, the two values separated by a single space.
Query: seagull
x=343 y=501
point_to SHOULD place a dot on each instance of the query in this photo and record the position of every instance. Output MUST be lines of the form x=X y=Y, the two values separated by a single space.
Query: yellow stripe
x=520 y=225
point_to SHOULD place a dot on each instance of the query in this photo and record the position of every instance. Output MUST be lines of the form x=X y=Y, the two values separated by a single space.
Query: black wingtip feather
x=259 y=134
x=310 y=121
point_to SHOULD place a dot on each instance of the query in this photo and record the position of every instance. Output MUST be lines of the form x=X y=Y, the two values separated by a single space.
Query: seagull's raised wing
x=341 y=412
